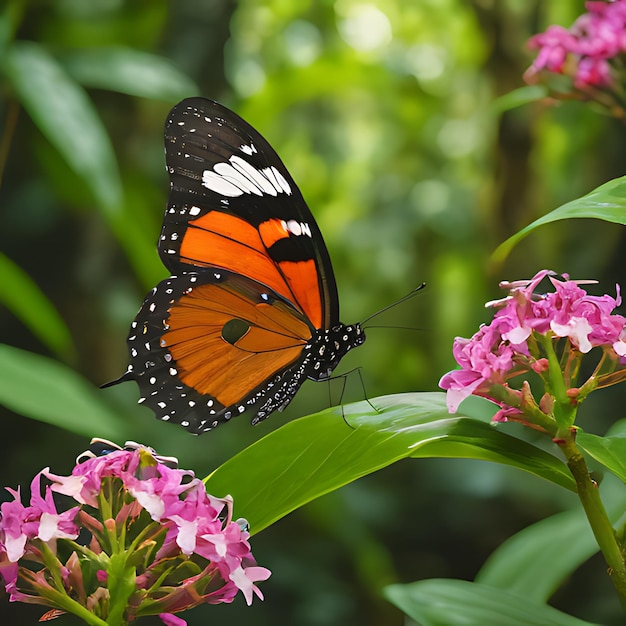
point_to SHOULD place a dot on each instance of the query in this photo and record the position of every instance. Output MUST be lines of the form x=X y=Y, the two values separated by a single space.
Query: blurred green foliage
x=387 y=115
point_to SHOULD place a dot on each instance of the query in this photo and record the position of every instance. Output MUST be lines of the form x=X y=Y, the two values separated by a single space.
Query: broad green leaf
x=66 y=117
x=129 y=71
x=607 y=202
x=447 y=602
x=45 y=390
x=314 y=455
x=608 y=450
x=618 y=429
x=536 y=560
x=22 y=296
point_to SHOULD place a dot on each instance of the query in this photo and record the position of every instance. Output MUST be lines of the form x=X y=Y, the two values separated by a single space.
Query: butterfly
x=251 y=308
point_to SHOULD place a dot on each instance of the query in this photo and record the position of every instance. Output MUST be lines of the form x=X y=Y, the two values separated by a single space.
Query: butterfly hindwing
x=234 y=205
x=205 y=345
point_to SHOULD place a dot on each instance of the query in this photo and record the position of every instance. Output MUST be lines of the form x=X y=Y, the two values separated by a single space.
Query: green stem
x=527 y=405
x=603 y=531
x=564 y=410
x=59 y=599
x=71 y=606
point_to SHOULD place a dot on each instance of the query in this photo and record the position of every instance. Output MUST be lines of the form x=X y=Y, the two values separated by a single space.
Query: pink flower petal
x=171 y=620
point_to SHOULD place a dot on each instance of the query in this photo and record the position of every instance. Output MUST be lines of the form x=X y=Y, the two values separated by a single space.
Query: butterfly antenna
x=393 y=304
x=396 y=327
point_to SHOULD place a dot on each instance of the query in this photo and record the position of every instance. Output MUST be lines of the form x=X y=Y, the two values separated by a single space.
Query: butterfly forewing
x=232 y=201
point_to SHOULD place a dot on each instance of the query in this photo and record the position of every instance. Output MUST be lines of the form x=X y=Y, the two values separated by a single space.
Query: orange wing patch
x=222 y=240
x=206 y=361
x=304 y=281
x=272 y=231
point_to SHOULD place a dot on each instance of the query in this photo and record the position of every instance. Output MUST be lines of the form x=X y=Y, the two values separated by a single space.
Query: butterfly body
x=251 y=308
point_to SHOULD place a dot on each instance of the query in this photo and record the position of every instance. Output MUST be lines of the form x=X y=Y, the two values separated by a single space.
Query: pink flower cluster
x=583 y=51
x=508 y=345
x=175 y=525
x=20 y=524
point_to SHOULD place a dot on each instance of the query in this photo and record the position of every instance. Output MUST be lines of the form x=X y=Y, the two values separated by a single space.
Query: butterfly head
x=329 y=346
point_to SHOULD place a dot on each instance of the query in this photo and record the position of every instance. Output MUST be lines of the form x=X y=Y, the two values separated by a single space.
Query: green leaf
x=608 y=450
x=607 y=202
x=66 y=117
x=536 y=560
x=441 y=602
x=11 y=15
x=314 y=455
x=43 y=389
x=129 y=71
x=28 y=303
x=519 y=97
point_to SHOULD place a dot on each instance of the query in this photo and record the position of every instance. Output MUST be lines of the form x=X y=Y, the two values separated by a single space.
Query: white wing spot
x=254 y=175
x=220 y=185
x=237 y=177
x=194 y=210
x=296 y=228
x=281 y=180
x=251 y=149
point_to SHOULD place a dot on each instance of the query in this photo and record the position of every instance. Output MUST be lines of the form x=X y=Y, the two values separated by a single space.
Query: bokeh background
x=388 y=116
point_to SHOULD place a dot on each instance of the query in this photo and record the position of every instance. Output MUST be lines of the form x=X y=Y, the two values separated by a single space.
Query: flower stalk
x=602 y=528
